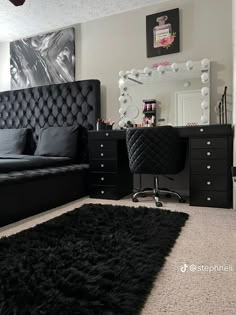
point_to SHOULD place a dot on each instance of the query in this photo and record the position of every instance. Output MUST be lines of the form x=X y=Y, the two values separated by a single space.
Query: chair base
x=155 y=193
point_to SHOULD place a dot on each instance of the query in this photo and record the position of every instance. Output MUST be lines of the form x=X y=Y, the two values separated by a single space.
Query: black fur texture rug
x=95 y=260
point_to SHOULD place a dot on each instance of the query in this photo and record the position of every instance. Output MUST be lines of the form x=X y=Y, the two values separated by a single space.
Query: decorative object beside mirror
x=162 y=32
x=180 y=91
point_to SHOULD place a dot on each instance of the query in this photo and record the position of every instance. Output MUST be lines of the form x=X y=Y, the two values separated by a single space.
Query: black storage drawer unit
x=110 y=177
x=208 y=143
x=210 y=182
x=214 y=167
x=103 y=154
x=211 y=158
x=217 y=199
x=208 y=154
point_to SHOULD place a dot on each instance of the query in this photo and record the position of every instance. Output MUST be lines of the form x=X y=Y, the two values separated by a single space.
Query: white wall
x=110 y=44
x=4 y=66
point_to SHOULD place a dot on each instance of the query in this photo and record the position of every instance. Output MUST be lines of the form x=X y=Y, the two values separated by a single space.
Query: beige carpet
x=208 y=239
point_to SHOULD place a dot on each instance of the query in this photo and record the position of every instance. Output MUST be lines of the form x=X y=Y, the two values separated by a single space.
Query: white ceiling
x=39 y=16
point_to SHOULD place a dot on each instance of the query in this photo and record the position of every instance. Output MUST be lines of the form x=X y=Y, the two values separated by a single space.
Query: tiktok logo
x=184 y=268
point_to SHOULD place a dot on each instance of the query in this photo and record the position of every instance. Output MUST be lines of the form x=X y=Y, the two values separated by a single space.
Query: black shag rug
x=95 y=260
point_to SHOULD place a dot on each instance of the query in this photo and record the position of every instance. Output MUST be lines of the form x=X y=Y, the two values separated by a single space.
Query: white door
x=188 y=108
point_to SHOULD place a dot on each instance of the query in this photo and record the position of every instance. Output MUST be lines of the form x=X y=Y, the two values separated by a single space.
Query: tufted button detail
x=55 y=105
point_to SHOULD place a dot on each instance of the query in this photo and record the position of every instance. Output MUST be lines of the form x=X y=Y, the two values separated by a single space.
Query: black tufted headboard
x=67 y=104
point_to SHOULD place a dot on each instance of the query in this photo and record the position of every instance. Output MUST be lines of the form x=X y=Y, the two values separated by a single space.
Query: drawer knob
x=208 y=183
x=208 y=153
x=201 y=130
x=208 y=167
x=208 y=142
x=102 y=154
x=102 y=179
x=101 y=145
x=102 y=192
x=102 y=165
x=107 y=134
x=208 y=198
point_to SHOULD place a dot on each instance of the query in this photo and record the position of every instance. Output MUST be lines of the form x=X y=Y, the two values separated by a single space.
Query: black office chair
x=158 y=151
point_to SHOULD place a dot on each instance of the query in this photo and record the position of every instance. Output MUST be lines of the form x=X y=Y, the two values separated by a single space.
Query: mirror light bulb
x=205 y=63
x=204 y=77
x=204 y=91
x=161 y=69
x=122 y=99
x=147 y=70
x=122 y=73
x=175 y=67
x=122 y=123
x=204 y=105
x=204 y=119
x=134 y=72
x=189 y=65
x=121 y=111
x=187 y=84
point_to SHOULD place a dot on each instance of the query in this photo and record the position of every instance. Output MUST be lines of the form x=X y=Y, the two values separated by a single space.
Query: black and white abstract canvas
x=43 y=59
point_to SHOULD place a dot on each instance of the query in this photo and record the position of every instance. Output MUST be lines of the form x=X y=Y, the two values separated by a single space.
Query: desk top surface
x=184 y=132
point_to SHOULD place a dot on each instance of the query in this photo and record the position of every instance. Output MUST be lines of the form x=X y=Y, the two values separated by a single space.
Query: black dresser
x=110 y=177
x=211 y=158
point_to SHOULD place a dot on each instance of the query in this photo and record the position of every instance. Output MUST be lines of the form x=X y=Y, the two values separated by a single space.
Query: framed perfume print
x=162 y=33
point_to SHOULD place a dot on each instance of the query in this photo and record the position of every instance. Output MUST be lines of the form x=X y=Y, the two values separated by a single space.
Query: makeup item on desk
x=149 y=103
x=149 y=106
x=103 y=124
x=153 y=120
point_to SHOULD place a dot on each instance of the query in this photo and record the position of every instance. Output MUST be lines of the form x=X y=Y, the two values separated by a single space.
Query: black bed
x=30 y=184
x=14 y=163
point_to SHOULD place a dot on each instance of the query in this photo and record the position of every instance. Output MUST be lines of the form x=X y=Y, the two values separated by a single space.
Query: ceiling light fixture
x=17 y=2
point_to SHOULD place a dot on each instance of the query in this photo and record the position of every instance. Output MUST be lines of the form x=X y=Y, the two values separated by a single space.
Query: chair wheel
x=182 y=200
x=158 y=204
x=134 y=199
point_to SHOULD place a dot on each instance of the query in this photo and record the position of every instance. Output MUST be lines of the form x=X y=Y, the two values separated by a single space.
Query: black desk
x=211 y=158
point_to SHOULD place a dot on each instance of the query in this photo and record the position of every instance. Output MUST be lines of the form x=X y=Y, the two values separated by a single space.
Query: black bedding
x=32 y=184
x=11 y=163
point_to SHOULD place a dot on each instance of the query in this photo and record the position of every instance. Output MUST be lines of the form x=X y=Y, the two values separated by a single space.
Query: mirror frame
x=164 y=70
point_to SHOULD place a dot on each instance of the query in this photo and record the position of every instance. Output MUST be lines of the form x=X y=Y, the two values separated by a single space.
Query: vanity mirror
x=176 y=94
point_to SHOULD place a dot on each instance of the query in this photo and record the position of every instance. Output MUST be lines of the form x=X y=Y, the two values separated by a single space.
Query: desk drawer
x=97 y=145
x=102 y=154
x=209 y=143
x=218 y=199
x=209 y=182
x=104 y=192
x=103 y=178
x=214 y=167
x=208 y=154
x=103 y=165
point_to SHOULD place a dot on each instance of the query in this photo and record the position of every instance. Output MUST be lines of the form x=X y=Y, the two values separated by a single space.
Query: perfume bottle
x=161 y=31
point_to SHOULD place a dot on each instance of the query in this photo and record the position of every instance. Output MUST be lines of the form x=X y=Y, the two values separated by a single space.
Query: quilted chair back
x=155 y=150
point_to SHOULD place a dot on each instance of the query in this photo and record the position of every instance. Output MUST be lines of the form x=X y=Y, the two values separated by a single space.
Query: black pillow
x=12 y=141
x=58 y=141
